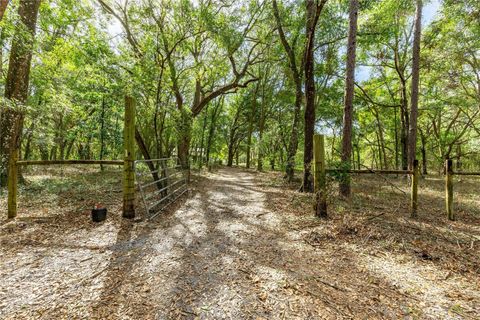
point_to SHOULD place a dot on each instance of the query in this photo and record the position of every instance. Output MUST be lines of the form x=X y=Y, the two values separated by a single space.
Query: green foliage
x=171 y=54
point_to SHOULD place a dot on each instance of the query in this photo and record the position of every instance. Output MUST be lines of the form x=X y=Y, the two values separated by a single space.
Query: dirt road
x=224 y=252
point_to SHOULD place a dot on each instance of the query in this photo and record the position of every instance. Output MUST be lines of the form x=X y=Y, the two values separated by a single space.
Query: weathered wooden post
x=414 y=192
x=129 y=158
x=319 y=178
x=449 y=189
x=12 y=184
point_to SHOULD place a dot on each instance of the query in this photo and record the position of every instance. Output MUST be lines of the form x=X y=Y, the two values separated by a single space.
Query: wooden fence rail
x=320 y=204
x=465 y=173
x=67 y=162
x=127 y=163
x=320 y=170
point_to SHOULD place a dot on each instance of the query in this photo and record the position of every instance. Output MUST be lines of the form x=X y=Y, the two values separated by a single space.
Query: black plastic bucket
x=99 y=214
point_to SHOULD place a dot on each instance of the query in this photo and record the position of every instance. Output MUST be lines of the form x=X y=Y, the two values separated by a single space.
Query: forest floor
x=240 y=245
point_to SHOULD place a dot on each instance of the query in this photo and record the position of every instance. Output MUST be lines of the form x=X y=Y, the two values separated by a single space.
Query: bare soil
x=240 y=245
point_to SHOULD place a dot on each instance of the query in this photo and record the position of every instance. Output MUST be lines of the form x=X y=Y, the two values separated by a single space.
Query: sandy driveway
x=222 y=253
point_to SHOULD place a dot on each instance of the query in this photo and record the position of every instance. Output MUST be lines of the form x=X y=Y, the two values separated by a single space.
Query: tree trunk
x=230 y=155
x=404 y=119
x=358 y=156
x=43 y=152
x=28 y=145
x=233 y=138
x=3 y=8
x=250 y=125
x=211 y=131
x=293 y=143
x=424 y=153
x=202 y=140
x=102 y=132
x=396 y=138
x=261 y=129
x=381 y=141
x=69 y=148
x=146 y=155
x=249 y=143
x=412 y=133
x=16 y=86
x=185 y=135
x=404 y=129
x=345 y=189
x=311 y=22
x=459 y=157
x=297 y=73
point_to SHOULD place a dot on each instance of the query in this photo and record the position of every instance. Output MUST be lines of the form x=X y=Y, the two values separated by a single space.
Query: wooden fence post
x=449 y=189
x=12 y=184
x=319 y=178
x=414 y=192
x=129 y=158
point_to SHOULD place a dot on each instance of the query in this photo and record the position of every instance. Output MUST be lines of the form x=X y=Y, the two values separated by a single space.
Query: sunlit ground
x=239 y=245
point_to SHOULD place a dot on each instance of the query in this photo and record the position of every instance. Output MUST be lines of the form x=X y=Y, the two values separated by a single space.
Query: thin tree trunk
x=345 y=189
x=380 y=155
x=185 y=132
x=459 y=157
x=69 y=148
x=250 y=125
x=212 y=128
x=412 y=134
x=232 y=139
x=202 y=140
x=297 y=73
x=358 y=156
x=102 y=131
x=261 y=127
x=381 y=141
x=314 y=9
x=404 y=130
x=404 y=118
x=293 y=143
x=396 y=138
x=423 y=139
x=28 y=145
x=146 y=155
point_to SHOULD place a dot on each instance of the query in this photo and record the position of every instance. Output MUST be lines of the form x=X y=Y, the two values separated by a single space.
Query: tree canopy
x=229 y=81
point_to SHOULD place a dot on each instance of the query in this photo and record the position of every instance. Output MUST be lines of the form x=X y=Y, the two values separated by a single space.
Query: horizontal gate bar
x=159 y=180
x=145 y=173
x=179 y=195
x=152 y=160
x=157 y=192
x=167 y=196
x=163 y=189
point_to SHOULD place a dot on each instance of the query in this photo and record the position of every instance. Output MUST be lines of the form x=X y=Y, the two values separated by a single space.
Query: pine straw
x=239 y=246
x=431 y=265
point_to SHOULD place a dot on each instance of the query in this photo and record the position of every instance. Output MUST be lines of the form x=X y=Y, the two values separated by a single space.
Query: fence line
x=68 y=162
x=319 y=172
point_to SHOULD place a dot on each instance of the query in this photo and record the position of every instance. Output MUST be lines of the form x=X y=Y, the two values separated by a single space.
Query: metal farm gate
x=160 y=181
